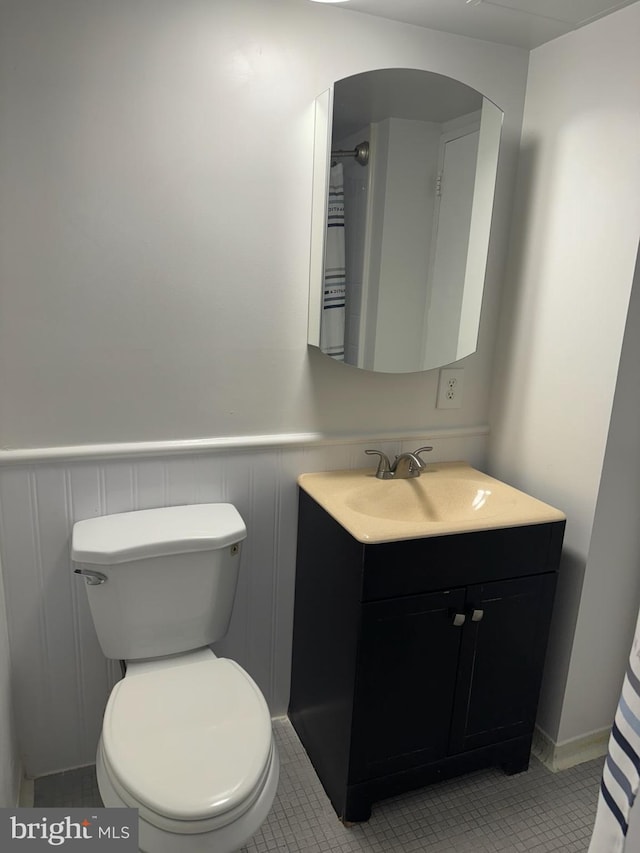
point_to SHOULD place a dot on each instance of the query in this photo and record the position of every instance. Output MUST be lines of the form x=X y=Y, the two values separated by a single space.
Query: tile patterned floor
x=484 y=812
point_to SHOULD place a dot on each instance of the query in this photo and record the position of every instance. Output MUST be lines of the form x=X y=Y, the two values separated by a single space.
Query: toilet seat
x=184 y=827
x=188 y=743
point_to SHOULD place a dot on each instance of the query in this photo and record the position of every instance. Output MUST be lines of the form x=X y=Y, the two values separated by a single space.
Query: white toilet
x=186 y=736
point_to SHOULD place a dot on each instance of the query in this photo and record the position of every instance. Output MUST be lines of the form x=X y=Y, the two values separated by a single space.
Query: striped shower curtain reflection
x=334 y=290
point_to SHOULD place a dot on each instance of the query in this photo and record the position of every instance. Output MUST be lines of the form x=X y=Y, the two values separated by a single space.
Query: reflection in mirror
x=404 y=176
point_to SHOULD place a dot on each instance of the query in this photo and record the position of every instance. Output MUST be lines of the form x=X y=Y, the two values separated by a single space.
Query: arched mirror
x=405 y=166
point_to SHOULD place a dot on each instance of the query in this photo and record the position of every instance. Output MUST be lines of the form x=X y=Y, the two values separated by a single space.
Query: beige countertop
x=447 y=498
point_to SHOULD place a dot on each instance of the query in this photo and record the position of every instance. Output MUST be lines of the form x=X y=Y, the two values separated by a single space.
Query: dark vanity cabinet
x=417 y=660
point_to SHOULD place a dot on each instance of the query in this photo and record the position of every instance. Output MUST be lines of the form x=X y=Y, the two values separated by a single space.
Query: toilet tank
x=160 y=581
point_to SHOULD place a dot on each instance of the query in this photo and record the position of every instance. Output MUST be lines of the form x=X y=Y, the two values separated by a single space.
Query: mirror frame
x=320 y=187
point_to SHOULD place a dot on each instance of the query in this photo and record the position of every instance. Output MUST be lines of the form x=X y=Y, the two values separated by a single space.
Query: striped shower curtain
x=333 y=304
x=621 y=774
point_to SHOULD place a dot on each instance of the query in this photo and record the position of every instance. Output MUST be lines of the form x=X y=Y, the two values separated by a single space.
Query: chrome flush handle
x=91 y=577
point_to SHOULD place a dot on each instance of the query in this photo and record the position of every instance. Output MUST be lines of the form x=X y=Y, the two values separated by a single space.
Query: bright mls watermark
x=89 y=829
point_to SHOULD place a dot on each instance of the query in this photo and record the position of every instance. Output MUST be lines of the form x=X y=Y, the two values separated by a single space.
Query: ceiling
x=522 y=23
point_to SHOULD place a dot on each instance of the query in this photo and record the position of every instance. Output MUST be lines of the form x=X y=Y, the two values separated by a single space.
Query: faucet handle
x=417 y=453
x=421 y=450
x=384 y=466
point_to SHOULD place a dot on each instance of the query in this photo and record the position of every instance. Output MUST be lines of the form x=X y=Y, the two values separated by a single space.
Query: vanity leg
x=518 y=760
x=515 y=766
x=357 y=809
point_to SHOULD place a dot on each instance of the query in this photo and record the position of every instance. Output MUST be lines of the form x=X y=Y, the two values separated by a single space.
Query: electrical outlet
x=450 y=388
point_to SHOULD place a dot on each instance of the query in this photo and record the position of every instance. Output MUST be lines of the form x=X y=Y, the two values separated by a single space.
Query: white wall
x=155 y=178
x=10 y=766
x=155 y=174
x=574 y=246
x=611 y=589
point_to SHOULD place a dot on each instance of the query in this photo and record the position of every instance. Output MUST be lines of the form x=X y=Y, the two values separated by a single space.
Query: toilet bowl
x=186 y=736
x=187 y=741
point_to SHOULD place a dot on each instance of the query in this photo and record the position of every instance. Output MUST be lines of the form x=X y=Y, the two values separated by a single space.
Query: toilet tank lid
x=164 y=531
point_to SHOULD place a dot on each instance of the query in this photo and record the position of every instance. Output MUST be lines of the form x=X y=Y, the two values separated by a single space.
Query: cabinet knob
x=459 y=619
x=476 y=615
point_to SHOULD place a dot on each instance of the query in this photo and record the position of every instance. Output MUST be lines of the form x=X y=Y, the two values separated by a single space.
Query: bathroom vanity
x=420 y=657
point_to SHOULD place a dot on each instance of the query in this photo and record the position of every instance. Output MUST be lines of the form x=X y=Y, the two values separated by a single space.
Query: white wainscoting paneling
x=61 y=678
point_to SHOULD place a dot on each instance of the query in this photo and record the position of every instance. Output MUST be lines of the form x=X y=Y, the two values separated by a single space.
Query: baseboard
x=561 y=756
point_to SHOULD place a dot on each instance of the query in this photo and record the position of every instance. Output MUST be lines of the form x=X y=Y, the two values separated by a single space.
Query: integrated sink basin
x=448 y=497
x=425 y=499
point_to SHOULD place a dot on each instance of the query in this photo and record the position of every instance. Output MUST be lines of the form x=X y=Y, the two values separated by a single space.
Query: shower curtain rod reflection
x=360 y=152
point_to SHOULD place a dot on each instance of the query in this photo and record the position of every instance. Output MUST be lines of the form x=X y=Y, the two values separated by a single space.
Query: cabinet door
x=406 y=682
x=501 y=660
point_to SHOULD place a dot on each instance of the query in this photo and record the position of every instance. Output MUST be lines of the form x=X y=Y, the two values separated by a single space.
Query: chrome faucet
x=404 y=466
x=407 y=465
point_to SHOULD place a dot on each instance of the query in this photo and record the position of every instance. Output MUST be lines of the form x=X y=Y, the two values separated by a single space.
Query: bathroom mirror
x=404 y=174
